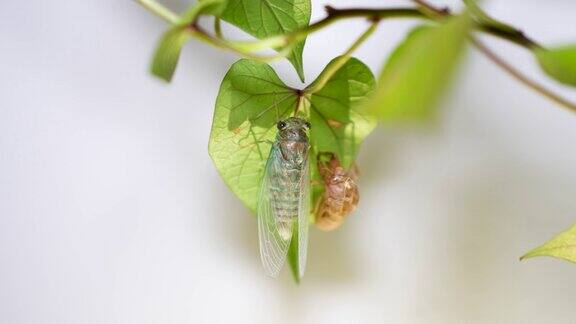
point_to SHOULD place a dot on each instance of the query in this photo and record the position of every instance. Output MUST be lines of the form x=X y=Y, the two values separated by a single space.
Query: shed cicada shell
x=341 y=194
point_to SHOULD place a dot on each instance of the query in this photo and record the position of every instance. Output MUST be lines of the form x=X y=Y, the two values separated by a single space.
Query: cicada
x=284 y=201
x=340 y=196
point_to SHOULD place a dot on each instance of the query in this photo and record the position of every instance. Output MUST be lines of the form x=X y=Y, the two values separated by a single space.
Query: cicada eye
x=307 y=125
x=281 y=125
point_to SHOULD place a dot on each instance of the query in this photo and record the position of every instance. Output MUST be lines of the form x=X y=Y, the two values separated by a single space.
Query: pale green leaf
x=338 y=126
x=562 y=246
x=559 y=63
x=293 y=259
x=168 y=52
x=170 y=45
x=418 y=71
x=265 y=18
x=250 y=101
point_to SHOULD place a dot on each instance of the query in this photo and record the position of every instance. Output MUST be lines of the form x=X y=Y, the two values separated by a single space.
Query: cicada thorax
x=340 y=196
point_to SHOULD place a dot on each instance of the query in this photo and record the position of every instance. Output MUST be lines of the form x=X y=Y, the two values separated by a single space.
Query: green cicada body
x=284 y=202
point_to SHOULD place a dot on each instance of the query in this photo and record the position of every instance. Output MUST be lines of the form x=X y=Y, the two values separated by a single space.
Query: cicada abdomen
x=340 y=196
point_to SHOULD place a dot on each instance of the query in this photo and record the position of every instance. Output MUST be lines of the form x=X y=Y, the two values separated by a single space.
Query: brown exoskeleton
x=340 y=196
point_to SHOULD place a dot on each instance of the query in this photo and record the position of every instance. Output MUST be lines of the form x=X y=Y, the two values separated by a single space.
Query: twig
x=245 y=49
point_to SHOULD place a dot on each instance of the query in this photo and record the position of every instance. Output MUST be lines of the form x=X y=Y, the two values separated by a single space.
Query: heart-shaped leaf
x=559 y=63
x=418 y=71
x=265 y=18
x=562 y=246
x=250 y=101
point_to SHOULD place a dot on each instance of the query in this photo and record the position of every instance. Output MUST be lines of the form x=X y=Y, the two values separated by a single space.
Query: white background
x=112 y=212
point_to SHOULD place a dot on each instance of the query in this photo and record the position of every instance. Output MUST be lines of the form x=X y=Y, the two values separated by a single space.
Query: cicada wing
x=303 y=217
x=272 y=234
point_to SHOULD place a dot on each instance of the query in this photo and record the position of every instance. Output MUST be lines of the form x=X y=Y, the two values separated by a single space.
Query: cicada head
x=293 y=129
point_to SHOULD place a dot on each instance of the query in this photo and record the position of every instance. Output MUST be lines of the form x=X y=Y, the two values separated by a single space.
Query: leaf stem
x=217 y=28
x=431 y=11
x=160 y=11
x=512 y=35
x=245 y=49
x=330 y=70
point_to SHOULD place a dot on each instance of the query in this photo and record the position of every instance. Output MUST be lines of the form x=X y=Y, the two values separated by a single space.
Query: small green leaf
x=338 y=125
x=170 y=45
x=562 y=246
x=265 y=18
x=168 y=52
x=293 y=259
x=250 y=101
x=559 y=63
x=418 y=70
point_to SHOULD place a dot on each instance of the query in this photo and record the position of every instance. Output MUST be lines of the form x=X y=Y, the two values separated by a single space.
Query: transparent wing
x=303 y=217
x=273 y=245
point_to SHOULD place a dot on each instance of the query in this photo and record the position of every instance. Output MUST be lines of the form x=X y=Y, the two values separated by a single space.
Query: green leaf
x=562 y=246
x=418 y=71
x=559 y=63
x=265 y=18
x=250 y=101
x=170 y=45
x=338 y=125
x=293 y=259
x=168 y=52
